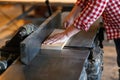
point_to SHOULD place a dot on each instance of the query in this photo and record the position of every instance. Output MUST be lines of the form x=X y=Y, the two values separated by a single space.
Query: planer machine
x=80 y=59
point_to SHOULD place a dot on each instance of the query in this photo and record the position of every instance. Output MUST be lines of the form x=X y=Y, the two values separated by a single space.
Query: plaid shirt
x=93 y=9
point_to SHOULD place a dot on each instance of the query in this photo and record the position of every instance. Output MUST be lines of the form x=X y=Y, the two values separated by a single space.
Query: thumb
x=66 y=24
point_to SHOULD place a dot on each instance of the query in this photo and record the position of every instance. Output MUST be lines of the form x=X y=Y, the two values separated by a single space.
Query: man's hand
x=61 y=37
x=57 y=38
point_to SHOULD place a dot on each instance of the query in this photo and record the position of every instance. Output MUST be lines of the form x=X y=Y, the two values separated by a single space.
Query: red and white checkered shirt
x=93 y=9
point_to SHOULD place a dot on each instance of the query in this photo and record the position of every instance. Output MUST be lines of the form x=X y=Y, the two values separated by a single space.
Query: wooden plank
x=41 y=2
x=56 y=46
x=53 y=1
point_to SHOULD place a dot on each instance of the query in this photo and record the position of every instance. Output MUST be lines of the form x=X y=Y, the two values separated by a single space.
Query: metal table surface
x=83 y=39
x=49 y=65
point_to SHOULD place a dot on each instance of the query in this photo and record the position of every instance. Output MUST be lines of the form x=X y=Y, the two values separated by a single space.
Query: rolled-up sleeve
x=91 y=12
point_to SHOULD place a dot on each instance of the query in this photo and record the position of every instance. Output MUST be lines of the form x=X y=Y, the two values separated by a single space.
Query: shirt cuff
x=82 y=26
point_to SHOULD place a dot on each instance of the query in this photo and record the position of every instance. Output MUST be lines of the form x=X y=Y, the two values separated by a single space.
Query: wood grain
x=56 y=46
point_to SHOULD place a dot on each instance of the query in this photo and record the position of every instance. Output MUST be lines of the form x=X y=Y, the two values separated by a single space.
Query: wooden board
x=42 y=2
x=56 y=46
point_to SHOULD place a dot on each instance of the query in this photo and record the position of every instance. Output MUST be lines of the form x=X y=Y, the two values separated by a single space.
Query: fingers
x=49 y=41
x=55 y=39
x=52 y=39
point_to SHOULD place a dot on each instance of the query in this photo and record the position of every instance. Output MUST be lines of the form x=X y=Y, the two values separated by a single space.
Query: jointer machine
x=80 y=59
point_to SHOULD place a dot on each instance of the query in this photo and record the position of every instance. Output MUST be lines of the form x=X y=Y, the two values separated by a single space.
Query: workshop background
x=9 y=12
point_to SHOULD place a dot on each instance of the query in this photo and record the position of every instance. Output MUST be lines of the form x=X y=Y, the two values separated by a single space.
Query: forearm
x=74 y=12
x=90 y=14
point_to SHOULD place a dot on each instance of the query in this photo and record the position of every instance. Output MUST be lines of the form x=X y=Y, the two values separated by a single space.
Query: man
x=84 y=13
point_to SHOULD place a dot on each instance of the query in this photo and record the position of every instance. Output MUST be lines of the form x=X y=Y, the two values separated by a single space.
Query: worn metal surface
x=31 y=45
x=83 y=39
x=50 y=65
